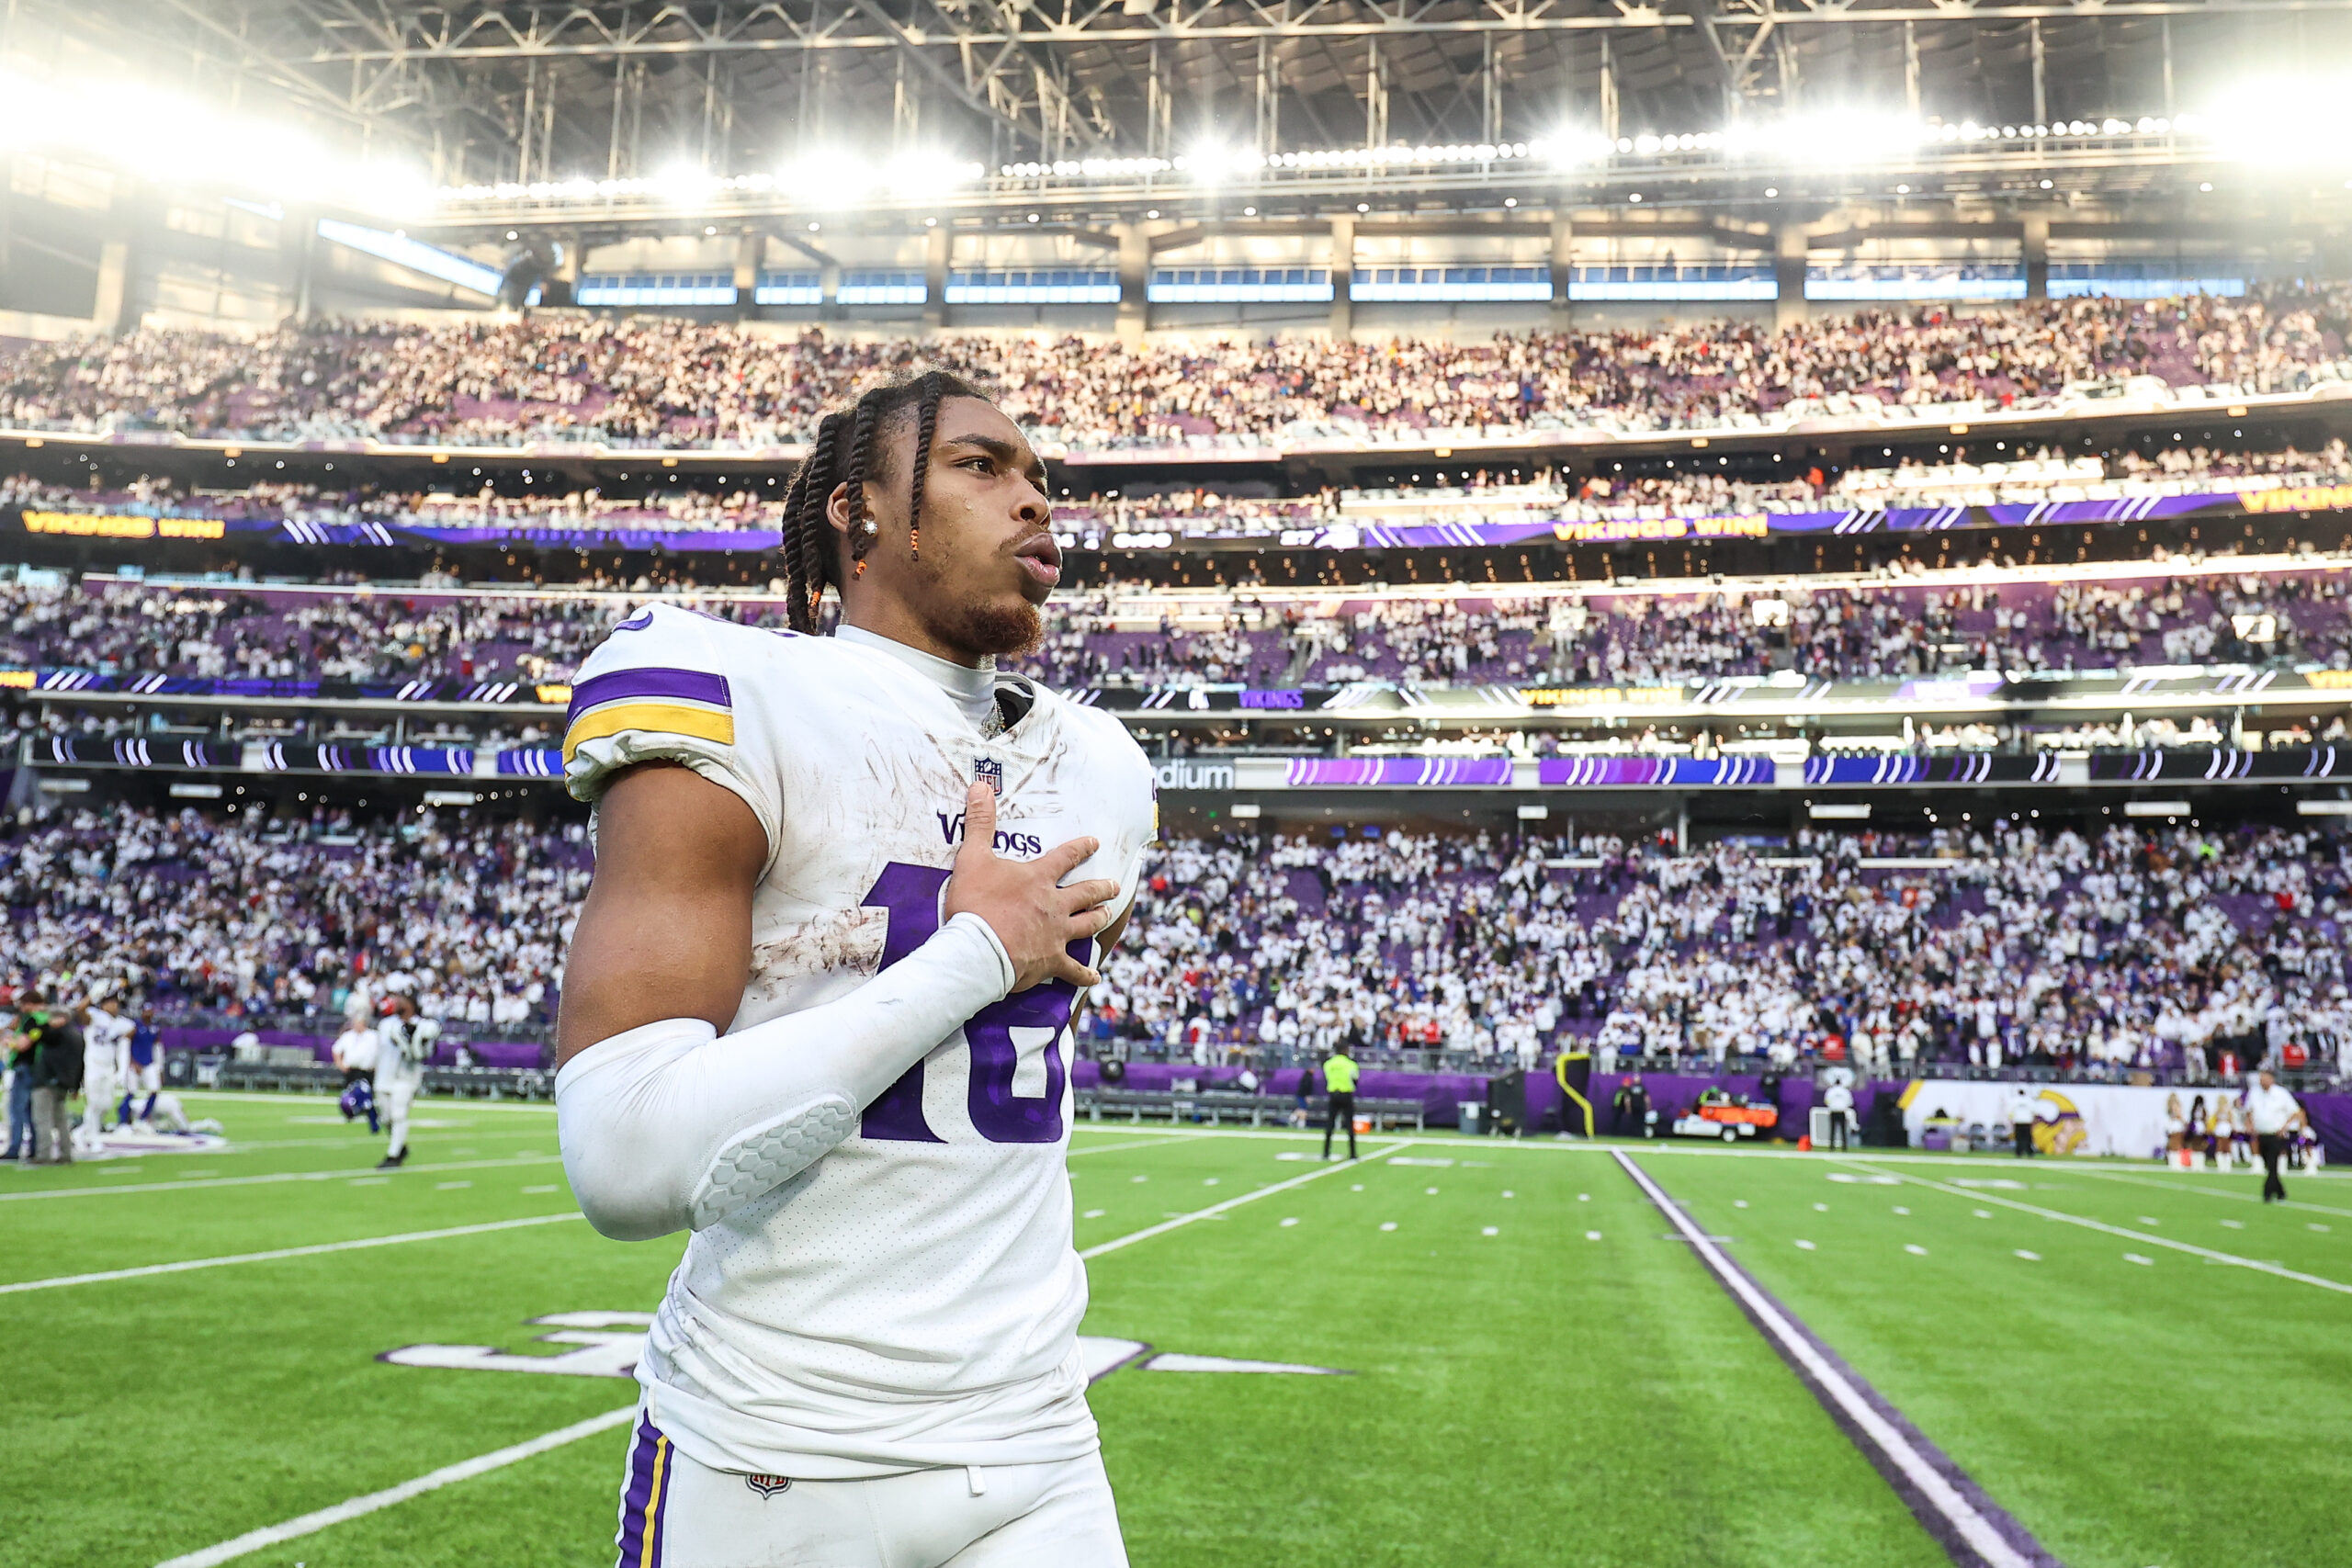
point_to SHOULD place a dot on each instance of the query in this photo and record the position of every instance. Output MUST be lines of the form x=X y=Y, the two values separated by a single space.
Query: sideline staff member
x=1340 y=1078
x=2273 y=1111
x=1840 y=1100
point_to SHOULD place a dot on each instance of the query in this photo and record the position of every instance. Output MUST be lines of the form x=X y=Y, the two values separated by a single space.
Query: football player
x=404 y=1046
x=106 y=1064
x=816 y=1012
x=144 y=1075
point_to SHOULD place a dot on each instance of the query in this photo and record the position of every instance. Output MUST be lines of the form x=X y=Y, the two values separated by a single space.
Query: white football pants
x=393 y=1098
x=101 y=1090
x=678 y=1514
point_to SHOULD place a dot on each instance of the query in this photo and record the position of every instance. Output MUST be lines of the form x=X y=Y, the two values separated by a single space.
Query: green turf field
x=2144 y=1368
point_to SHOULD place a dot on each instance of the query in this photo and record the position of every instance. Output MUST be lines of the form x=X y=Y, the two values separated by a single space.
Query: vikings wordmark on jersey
x=912 y=1299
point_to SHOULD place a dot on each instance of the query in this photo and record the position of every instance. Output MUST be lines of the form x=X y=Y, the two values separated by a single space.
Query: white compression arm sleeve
x=672 y=1126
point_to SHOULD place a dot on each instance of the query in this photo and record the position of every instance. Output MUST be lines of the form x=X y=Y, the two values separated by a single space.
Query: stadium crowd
x=2134 y=950
x=232 y=632
x=240 y=915
x=1480 y=497
x=1124 y=635
x=1643 y=639
x=679 y=382
x=2127 y=951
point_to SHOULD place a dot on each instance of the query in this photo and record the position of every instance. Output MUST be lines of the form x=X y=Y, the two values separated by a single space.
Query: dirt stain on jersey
x=833 y=942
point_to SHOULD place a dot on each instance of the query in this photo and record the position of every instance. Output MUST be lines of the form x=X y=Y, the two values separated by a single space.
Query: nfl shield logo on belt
x=768 y=1486
x=989 y=772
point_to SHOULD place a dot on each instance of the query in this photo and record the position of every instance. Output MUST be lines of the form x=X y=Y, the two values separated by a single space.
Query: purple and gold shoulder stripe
x=693 y=703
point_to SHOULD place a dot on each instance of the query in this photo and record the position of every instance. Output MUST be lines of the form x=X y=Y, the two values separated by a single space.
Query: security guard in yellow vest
x=1339 y=1079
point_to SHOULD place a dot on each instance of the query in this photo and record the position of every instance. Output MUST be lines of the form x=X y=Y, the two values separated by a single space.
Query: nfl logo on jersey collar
x=989 y=772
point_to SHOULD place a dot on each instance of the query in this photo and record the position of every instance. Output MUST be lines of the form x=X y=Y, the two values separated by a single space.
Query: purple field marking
x=1973 y=1530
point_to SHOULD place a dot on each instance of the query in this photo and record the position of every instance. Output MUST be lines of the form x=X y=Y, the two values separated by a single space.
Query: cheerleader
x=2176 y=1129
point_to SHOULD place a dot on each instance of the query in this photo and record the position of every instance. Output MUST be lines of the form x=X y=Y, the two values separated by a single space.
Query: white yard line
x=1938 y=1493
x=308 y=1524
x=189 y=1265
x=2205 y=1192
x=1109 y=1148
x=1181 y=1221
x=344 y=1174
x=438 y=1102
x=472 y=1134
x=1979 y=1195
x=432 y=1480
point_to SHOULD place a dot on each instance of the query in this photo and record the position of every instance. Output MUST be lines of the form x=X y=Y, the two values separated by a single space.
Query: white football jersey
x=404 y=1048
x=107 y=1045
x=912 y=1299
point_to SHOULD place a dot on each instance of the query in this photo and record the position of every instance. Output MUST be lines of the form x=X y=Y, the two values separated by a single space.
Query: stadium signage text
x=1597 y=697
x=1188 y=775
x=2300 y=498
x=395 y=530
x=1622 y=530
x=117 y=526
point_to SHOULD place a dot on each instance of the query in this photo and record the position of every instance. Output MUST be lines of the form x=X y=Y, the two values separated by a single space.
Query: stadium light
x=838 y=177
x=834 y=179
x=169 y=140
x=2294 y=120
x=1830 y=138
x=682 y=184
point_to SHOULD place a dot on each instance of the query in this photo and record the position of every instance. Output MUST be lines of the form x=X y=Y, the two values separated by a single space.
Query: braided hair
x=846 y=452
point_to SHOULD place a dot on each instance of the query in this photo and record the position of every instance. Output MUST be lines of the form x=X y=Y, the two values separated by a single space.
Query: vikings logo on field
x=607 y=1344
x=989 y=772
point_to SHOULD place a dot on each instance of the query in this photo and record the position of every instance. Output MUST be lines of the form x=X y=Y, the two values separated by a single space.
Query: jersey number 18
x=911 y=893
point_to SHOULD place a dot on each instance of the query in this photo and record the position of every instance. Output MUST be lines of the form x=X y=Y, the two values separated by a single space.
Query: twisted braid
x=926 y=424
x=845 y=452
x=863 y=428
x=803 y=542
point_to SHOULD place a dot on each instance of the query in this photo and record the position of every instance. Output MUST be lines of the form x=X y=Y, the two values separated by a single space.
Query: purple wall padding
x=488 y=1052
x=1440 y=1094
x=1671 y=1094
x=2331 y=1117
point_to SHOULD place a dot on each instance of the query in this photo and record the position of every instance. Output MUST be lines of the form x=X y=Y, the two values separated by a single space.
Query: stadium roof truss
x=619 y=88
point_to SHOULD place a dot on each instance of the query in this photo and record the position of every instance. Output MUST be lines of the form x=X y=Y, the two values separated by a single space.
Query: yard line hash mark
x=2259 y=1265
